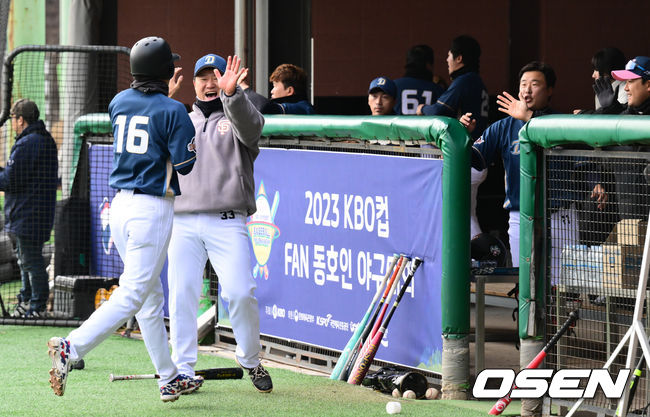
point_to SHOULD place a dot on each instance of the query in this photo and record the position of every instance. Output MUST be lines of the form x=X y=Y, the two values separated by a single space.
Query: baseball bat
x=345 y=354
x=502 y=403
x=366 y=356
x=375 y=327
x=636 y=375
x=211 y=373
x=368 y=329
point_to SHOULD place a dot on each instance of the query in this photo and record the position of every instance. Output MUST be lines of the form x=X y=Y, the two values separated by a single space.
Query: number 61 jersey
x=153 y=138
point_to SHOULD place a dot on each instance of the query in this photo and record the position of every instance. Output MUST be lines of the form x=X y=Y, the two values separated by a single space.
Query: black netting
x=50 y=199
x=594 y=254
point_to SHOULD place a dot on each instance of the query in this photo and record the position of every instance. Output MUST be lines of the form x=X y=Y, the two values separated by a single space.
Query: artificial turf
x=26 y=390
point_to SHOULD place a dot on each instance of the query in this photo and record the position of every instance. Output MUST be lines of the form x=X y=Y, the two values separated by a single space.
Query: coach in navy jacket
x=29 y=181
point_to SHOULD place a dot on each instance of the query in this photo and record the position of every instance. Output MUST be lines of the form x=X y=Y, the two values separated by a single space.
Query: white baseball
x=393 y=407
x=432 y=394
x=396 y=393
x=410 y=394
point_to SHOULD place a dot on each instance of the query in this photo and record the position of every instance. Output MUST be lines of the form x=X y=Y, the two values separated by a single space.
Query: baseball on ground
x=396 y=393
x=431 y=394
x=410 y=394
x=393 y=407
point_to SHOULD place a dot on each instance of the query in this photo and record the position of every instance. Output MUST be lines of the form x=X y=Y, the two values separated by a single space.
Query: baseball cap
x=638 y=67
x=27 y=109
x=384 y=84
x=210 y=61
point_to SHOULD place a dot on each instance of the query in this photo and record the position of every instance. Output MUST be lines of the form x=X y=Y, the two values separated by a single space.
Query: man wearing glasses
x=29 y=180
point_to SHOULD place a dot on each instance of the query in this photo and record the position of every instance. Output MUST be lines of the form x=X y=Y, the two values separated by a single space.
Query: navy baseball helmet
x=151 y=57
x=485 y=247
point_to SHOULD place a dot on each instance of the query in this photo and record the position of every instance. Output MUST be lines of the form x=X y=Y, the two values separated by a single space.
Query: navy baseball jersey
x=503 y=137
x=153 y=138
x=466 y=94
x=412 y=92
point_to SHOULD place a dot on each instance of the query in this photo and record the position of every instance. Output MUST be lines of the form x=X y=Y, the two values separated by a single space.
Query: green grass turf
x=26 y=390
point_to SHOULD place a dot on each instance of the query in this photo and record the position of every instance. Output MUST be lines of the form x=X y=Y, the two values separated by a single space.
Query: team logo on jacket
x=104 y=216
x=262 y=231
x=223 y=126
x=191 y=146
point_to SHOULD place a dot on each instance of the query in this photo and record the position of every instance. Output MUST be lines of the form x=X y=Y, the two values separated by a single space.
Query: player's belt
x=137 y=191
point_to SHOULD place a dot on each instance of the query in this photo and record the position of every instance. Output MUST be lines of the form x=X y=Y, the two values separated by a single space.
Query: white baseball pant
x=513 y=235
x=197 y=237
x=141 y=226
x=476 y=179
x=564 y=231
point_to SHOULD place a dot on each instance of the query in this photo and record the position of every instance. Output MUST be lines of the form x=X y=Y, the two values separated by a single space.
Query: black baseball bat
x=211 y=373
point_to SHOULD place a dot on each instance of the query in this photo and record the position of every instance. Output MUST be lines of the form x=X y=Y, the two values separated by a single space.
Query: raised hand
x=175 y=82
x=604 y=91
x=513 y=107
x=232 y=76
x=467 y=121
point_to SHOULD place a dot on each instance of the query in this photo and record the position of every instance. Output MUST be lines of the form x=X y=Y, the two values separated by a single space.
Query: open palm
x=232 y=76
x=513 y=107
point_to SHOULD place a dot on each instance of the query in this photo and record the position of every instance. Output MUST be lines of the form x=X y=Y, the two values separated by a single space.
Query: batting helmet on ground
x=151 y=57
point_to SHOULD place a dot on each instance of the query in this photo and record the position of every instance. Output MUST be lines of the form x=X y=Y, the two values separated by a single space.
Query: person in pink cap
x=630 y=187
x=637 y=86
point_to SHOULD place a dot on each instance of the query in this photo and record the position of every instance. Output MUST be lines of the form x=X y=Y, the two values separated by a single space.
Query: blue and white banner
x=326 y=227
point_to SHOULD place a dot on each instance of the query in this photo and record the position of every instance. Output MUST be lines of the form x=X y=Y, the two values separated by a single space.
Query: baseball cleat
x=198 y=379
x=178 y=386
x=59 y=351
x=260 y=377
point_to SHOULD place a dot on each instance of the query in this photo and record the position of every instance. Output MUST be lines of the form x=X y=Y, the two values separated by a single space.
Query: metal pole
x=240 y=31
x=262 y=47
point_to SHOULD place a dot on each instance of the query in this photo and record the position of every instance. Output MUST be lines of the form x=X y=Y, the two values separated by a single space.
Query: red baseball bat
x=502 y=403
x=367 y=354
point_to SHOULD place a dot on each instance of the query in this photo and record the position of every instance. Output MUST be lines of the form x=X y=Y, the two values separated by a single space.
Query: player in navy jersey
x=381 y=96
x=416 y=86
x=153 y=139
x=289 y=93
x=536 y=82
x=467 y=93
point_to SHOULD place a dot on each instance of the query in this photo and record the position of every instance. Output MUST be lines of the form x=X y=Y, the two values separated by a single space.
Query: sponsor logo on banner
x=263 y=231
x=104 y=216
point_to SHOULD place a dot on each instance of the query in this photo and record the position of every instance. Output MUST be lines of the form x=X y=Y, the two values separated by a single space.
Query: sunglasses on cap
x=631 y=65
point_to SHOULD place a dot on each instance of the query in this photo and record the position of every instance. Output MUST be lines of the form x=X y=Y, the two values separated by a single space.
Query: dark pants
x=35 y=287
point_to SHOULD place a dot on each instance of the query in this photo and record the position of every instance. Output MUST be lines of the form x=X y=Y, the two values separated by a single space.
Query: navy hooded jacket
x=29 y=181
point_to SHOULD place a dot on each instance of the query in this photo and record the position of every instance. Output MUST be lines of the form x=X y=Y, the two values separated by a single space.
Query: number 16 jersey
x=153 y=138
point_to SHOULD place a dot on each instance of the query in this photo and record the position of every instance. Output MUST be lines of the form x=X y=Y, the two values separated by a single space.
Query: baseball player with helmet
x=210 y=216
x=152 y=141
